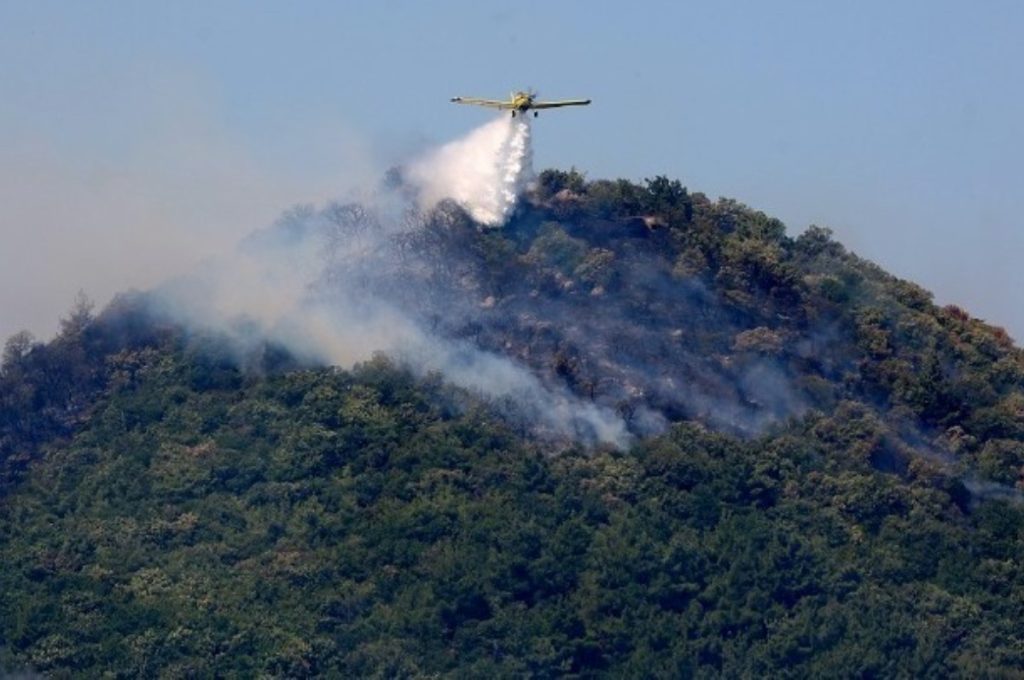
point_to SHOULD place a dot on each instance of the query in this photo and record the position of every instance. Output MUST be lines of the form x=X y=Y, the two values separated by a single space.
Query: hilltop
x=732 y=451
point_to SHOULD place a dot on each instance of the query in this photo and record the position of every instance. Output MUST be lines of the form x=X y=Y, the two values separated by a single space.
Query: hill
x=734 y=453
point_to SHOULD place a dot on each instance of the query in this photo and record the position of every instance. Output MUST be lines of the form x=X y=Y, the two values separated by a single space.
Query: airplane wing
x=555 y=105
x=493 y=103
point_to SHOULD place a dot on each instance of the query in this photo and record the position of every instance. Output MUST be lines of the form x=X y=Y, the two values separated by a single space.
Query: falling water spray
x=485 y=172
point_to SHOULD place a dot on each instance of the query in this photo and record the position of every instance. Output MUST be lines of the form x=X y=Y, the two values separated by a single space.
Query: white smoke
x=343 y=332
x=280 y=292
x=484 y=172
x=309 y=284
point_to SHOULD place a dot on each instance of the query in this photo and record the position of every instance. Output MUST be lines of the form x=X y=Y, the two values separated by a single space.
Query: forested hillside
x=820 y=474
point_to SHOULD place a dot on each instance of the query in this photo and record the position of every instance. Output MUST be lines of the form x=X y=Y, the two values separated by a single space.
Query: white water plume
x=484 y=172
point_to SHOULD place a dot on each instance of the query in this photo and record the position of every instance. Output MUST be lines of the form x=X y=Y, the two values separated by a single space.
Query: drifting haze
x=178 y=186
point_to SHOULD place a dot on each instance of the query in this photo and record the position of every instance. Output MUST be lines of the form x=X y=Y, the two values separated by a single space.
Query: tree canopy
x=834 y=489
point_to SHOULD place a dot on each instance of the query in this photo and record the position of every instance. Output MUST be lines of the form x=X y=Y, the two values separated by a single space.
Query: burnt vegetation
x=824 y=478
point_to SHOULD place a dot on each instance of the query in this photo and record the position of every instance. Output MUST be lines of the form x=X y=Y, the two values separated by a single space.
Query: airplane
x=520 y=102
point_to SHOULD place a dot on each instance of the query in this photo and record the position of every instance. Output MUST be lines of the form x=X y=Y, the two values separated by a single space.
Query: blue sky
x=138 y=137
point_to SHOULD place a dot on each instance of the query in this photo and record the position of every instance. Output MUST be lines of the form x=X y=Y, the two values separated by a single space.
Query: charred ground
x=667 y=306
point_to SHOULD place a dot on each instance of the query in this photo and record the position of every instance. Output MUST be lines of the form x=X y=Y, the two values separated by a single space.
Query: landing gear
x=536 y=113
x=513 y=114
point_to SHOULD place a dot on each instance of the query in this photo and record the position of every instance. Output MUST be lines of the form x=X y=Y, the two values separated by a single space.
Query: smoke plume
x=338 y=285
x=555 y=334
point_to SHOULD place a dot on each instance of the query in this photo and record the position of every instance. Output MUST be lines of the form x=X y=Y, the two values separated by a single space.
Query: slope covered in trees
x=822 y=478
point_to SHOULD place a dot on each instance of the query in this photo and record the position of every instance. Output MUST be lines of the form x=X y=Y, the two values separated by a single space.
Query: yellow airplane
x=520 y=102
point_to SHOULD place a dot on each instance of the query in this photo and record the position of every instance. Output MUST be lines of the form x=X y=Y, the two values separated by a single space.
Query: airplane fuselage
x=522 y=101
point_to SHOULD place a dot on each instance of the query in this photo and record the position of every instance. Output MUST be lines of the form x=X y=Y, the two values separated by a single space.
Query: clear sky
x=136 y=137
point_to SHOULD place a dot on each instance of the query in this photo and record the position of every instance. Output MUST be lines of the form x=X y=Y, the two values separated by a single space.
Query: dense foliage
x=165 y=512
